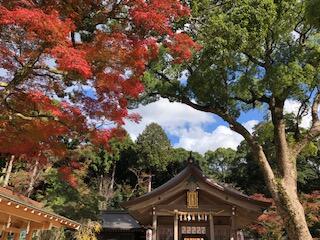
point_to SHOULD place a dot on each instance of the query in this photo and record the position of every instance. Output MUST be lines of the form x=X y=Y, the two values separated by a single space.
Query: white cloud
x=187 y=124
x=292 y=106
x=196 y=139
x=250 y=125
x=171 y=116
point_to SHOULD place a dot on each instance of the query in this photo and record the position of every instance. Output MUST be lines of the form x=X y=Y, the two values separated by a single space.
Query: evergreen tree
x=153 y=148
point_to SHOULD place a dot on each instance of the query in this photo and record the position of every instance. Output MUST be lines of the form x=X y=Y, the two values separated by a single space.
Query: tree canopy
x=153 y=147
x=69 y=68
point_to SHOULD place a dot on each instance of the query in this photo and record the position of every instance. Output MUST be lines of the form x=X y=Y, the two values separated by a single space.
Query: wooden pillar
x=4 y=235
x=29 y=235
x=176 y=226
x=154 y=224
x=211 y=227
x=16 y=236
x=233 y=235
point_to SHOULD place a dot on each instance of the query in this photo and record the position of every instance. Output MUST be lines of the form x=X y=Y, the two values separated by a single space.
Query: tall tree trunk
x=150 y=182
x=111 y=187
x=33 y=178
x=8 y=171
x=292 y=212
x=101 y=184
x=284 y=192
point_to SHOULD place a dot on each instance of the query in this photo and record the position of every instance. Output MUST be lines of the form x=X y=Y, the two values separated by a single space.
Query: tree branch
x=253 y=99
x=301 y=112
x=314 y=130
x=286 y=163
x=240 y=129
x=254 y=60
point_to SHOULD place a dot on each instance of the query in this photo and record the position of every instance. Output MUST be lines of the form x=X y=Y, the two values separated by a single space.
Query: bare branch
x=52 y=77
x=51 y=70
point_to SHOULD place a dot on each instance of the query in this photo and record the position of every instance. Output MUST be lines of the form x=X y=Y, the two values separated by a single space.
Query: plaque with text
x=192 y=199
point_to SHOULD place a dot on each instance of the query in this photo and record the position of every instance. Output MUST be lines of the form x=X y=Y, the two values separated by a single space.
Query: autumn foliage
x=270 y=225
x=69 y=68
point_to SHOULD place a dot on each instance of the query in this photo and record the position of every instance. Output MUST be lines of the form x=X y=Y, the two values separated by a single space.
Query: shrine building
x=190 y=206
x=21 y=217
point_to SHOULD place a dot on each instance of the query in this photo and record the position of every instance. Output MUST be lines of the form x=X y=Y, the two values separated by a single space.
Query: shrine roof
x=195 y=172
x=23 y=208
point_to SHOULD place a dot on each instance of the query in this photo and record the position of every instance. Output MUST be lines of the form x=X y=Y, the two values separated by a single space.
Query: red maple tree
x=68 y=67
x=270 y=225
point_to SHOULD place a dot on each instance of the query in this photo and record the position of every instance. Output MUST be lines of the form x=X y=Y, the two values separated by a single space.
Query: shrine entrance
x=191 y=206
x=195 y=226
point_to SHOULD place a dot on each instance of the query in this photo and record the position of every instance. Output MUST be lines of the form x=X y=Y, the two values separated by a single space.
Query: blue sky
x=195 y=130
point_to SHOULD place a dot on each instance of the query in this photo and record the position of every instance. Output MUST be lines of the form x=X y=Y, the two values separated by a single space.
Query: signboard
x=192 y=199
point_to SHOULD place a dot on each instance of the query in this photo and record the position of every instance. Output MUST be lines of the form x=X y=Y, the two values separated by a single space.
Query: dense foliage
x=68 y=69
x=153 y=148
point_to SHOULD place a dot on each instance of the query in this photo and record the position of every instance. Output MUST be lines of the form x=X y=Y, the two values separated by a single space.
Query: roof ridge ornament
x=191 y=158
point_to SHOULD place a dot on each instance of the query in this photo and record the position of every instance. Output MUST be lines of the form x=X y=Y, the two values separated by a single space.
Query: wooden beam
x=27 y=215
x=23 y=213
x=9 y=229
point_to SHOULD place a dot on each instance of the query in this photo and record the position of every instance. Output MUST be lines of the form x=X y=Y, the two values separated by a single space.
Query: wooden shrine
x=19 y=213
x=192 y=206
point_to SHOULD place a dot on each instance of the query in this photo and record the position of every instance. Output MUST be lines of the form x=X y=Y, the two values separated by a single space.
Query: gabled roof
x=193 y=171
x=24 y=209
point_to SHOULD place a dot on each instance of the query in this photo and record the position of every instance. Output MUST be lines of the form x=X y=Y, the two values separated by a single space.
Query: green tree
x=103 y=165
x=76 y=203
x=255 y=55
x=312 y=12
x=153 y=148
x=220 y=163
x=178 y=161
